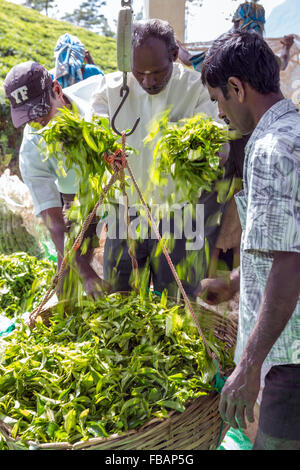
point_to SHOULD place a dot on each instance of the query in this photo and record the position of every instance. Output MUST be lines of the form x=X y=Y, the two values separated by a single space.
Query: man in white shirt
x=35 y=97
x=156 y=84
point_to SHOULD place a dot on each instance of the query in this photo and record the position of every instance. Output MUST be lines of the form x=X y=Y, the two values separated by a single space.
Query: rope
x=56 y=281
x=118 y=161
x=170 y=263
x=134 y=262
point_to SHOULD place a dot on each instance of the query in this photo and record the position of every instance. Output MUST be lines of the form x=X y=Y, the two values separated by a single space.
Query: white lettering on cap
x=20 y=94
x=43 y=79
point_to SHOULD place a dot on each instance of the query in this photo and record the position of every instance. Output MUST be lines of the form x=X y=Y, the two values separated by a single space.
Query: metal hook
x=126 y=3
x=126 y=89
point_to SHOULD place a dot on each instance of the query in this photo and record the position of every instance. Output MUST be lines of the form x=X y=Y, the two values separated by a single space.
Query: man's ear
x=237 y=87
x=57 y=89
x=175 y=54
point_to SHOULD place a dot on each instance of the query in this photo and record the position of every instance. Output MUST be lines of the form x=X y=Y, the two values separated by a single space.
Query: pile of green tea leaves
x=109 y=367
x=187 y=151
x=24 y=280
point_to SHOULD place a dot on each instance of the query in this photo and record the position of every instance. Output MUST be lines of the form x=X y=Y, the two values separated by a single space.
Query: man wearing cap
x=35 y=97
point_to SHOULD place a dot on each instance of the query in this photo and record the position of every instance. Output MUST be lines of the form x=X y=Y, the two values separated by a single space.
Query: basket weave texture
x=199 y=427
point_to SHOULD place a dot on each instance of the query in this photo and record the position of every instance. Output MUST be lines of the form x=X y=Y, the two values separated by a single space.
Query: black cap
x=27 y=88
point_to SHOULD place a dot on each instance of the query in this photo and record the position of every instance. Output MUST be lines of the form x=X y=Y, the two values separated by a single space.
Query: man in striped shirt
x=242 y=75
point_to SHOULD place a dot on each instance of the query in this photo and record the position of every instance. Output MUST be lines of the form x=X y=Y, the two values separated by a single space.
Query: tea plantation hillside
x=25 y=35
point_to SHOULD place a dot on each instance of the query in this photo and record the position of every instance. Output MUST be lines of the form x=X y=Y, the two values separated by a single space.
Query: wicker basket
x=199 y=427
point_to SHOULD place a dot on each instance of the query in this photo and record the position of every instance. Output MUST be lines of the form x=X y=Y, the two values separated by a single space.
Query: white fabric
x=41 y=177
x=184 y=95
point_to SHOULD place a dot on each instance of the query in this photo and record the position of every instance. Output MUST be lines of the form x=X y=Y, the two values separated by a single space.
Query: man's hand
x=215 y=291
x=224 y=154
x=183 y=54
x=93 y=285
x=96 y=287
x=239 y=395
x=288 y=41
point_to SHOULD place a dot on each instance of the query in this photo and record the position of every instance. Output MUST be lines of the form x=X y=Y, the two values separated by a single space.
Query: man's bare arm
x=279 y=302
x=54 y=221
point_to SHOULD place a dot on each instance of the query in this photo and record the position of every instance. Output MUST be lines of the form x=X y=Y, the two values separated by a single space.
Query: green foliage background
x=25 y=35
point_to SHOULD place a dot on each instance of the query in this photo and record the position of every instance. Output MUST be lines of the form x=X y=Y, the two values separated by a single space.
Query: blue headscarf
x=69 y=55
x=251 y=17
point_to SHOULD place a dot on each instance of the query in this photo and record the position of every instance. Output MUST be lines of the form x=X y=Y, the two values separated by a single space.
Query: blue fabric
x=197 y=61
x=69 y=53
x=90 y=69
x=250 y=17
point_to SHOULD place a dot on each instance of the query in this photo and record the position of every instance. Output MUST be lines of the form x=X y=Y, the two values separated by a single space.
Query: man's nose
x=221 y=113
x=148 y=80
x=223 y=116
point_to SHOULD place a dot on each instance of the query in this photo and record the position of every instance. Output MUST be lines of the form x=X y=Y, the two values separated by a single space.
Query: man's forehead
x=213 y=92
x=151 y=47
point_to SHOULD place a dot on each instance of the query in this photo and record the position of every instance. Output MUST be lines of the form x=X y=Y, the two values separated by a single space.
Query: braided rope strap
x=119 y=162
x=134 y=262
x=119 y=159
x=211 y=354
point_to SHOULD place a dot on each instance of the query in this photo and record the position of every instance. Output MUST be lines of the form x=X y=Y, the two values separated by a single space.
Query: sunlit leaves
x=105 y=368
x=187 y=152
x=24 y=280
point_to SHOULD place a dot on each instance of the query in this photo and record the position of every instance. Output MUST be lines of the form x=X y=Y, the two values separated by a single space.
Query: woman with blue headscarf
x=250 y=17
x=70 y=57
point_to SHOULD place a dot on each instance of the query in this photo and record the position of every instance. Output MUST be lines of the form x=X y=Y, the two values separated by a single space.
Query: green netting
x=235 y=439
x=49 y=250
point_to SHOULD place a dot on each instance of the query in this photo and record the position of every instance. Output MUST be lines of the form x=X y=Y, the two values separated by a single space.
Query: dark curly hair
x=244 y=55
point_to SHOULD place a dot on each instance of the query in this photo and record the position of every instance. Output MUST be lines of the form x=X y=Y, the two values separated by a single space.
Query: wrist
x=250 y=364
x=234 y=284
x=88 y=274
x=86 y=271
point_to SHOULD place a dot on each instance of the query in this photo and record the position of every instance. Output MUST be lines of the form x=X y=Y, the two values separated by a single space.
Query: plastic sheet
x=235 y=439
